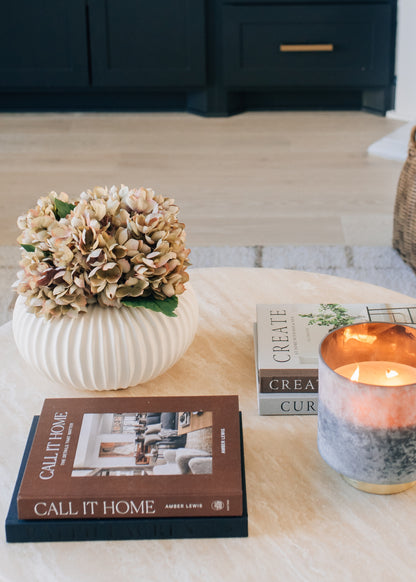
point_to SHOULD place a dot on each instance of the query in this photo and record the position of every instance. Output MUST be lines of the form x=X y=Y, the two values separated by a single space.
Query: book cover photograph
x=134 y=457
x=287 y=339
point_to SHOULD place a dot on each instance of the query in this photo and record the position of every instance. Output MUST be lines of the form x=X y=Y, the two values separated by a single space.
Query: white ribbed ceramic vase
x=106 y=348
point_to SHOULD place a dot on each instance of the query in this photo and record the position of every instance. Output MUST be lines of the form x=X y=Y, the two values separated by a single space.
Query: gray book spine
x=287 y=404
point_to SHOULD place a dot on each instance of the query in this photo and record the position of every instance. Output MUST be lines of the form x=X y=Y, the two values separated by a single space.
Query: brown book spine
x=124 y=507
x=288 y=382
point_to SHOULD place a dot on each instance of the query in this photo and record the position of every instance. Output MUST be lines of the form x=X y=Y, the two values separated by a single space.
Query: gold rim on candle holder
x=378 y=488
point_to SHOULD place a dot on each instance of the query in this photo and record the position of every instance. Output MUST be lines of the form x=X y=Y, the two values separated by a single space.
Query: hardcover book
x=287 y=339
x=104 y=458
x=61 y=530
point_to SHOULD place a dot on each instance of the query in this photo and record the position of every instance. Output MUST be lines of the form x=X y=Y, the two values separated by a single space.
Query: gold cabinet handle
x=306 y=48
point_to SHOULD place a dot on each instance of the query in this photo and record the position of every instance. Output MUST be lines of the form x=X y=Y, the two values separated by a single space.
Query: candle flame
x=389 y=374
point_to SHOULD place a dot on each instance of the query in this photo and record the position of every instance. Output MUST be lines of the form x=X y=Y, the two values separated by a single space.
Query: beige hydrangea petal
x=116 y=242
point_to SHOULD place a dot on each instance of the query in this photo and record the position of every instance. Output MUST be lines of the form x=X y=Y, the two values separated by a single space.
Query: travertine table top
x=305 y=522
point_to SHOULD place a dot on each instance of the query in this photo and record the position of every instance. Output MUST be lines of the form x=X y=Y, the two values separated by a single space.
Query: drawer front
x=305 y=45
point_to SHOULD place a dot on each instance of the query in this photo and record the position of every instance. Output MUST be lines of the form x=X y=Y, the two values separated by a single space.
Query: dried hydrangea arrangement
x=111 y=246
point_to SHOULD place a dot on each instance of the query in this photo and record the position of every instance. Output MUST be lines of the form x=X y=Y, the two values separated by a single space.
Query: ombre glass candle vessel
x=367 y=405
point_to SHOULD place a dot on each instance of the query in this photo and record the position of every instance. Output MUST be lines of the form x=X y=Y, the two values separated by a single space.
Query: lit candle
x=367 y=405
x=380 y=373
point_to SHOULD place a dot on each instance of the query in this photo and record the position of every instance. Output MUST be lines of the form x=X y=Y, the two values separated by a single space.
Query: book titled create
x=287 y=339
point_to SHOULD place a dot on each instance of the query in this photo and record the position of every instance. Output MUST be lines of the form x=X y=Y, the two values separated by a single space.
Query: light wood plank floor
x=256 y=178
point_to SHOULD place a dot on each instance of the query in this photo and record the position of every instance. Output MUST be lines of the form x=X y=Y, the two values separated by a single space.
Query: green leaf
x=29 y=248
x=166 y=306
x=62 y=209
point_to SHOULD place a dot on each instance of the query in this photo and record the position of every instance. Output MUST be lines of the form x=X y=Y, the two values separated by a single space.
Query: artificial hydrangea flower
x=109 y=245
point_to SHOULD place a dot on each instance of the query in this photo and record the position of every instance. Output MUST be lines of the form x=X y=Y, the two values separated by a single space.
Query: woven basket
x=404 y=226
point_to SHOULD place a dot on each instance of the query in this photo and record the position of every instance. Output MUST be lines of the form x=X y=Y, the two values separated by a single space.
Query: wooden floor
x=255 y=178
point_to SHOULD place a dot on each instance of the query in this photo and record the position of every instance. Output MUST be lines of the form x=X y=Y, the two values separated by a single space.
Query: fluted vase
x=106 y=348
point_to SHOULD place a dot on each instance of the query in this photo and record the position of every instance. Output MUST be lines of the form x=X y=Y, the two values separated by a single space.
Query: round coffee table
x=305 y=522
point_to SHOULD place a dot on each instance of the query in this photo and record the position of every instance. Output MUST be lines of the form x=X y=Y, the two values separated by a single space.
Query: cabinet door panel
x=43 y=44
x=305 y=45
x=137 y=43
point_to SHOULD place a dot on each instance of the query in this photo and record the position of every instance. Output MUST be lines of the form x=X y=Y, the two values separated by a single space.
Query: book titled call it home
x=128 y=457
x=287 y=339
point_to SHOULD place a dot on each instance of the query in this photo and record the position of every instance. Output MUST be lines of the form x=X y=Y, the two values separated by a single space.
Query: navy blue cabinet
x=102 y=43
x=142 y=43
x=43 y=44
x=307 y=46
x=213 y=57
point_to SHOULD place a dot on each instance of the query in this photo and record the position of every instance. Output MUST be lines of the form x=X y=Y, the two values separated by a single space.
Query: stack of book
x=287 y=339
x=131 y=468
